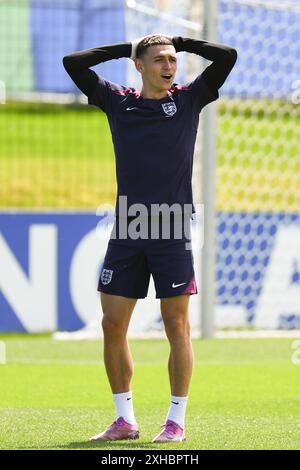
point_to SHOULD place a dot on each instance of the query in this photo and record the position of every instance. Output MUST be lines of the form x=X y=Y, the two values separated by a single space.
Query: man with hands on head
x=154 y=132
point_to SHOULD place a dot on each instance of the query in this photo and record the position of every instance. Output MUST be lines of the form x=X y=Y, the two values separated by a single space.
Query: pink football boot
x=171 y=432
x=117 y=431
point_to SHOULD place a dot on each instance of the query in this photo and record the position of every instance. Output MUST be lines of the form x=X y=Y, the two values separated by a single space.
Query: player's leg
x=117 y=311
x=124 y=279
x=176 y=320
x=175 y=316
x=171 y=265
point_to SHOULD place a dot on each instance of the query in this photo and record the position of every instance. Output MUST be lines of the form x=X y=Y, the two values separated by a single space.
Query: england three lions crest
x=106 y=276
x=169 y=108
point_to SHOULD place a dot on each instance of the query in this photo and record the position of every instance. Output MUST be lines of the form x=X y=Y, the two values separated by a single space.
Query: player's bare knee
x=177 y=329
x=112 y=326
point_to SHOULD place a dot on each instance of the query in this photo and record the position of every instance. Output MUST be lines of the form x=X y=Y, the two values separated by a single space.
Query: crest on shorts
x=106 y=276
x=169 y=108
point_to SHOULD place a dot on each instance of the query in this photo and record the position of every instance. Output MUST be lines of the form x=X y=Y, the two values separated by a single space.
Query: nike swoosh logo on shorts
x=177 y=285
x=130 y=109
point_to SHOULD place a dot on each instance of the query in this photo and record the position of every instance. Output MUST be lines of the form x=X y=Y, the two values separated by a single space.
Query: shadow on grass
x=109 y=445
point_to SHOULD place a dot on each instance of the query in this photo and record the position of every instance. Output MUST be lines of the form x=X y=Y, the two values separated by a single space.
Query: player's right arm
x=78 y=64
x=222 y=56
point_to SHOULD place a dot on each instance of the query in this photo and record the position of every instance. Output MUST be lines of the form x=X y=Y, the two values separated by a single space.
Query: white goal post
x=208 y=190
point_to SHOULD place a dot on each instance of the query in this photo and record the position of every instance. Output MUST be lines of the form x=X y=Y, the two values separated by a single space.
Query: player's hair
x=155 y=40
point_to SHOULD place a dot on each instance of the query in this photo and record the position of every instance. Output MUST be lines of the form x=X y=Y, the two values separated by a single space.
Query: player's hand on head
x=134 y=45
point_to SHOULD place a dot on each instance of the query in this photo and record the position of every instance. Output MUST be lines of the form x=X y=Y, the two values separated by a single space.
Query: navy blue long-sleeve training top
x=153 y=139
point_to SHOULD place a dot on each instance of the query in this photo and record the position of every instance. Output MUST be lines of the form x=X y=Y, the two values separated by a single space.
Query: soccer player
x=154 y=132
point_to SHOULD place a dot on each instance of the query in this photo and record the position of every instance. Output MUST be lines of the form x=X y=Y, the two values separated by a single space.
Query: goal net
x=257 y=172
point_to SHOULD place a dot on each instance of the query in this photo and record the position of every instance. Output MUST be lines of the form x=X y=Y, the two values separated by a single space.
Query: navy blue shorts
x=129 y=263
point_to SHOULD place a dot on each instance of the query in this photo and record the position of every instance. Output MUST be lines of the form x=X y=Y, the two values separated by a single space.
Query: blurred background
x=57 y=163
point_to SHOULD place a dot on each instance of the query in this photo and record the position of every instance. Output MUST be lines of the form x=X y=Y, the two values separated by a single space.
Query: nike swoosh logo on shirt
x=177 y=285
x=130 y=109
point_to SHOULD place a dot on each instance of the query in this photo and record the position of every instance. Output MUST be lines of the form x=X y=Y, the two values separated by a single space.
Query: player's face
x=158 y=66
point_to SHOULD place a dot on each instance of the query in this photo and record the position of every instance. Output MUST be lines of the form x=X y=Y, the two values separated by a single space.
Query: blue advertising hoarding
x=50 y=264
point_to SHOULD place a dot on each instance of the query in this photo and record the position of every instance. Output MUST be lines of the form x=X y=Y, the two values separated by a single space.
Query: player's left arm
x=78 y=64
x=223 y=59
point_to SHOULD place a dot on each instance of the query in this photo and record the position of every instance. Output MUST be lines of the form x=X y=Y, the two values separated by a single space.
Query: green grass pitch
x=244 y=394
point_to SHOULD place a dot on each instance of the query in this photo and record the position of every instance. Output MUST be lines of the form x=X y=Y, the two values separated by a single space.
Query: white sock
x=177 y=410
x=124 y=406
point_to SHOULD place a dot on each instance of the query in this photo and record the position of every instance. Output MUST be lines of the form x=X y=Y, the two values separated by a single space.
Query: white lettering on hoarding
x=280 y=296
x=32 y=298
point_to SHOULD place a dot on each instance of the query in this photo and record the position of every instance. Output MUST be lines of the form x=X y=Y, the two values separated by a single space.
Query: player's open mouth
x=167 y=77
